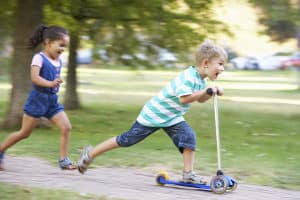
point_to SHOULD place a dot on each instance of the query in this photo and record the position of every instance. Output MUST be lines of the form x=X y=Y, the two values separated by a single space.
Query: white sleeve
x=37 y=60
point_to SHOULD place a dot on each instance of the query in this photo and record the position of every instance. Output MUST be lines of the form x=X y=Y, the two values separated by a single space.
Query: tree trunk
x=298 y=70
x=298 y=39
x=28 y=15
x=71 y=97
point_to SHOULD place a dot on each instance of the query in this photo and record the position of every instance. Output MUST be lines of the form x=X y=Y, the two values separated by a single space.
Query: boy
x=166 y=111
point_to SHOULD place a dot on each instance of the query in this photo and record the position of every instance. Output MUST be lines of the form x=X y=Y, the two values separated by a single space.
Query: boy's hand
x=214 y=90
x=219 y=91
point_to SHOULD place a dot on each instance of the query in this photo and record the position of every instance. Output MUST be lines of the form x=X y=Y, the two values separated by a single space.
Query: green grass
x=260 y=141
x=14 y=192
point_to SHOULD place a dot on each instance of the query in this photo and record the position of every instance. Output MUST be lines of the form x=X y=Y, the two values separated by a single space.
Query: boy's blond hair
x=209 y=50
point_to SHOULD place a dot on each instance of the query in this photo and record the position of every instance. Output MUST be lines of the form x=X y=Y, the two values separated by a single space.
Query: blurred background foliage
x=139 y=34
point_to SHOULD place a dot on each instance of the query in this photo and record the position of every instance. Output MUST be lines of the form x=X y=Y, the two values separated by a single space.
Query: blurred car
x=273 y=61
x=293 y=61
x=166 y=58
x=84 y=56
x=269 y=62
x=246 y=62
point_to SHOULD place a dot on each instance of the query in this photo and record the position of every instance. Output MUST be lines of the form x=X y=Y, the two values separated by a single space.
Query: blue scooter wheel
x=218 y=184
x=231 y=183
x=232 y=188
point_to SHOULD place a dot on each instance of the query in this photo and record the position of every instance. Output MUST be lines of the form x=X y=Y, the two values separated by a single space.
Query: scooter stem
x=217 y=132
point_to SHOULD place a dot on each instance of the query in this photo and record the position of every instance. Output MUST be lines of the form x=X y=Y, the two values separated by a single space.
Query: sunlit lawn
x=9 y=191
x=259 y=125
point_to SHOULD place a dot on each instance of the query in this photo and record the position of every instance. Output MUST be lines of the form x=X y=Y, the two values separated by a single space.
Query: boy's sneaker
x=84 y=160
x=67 y=164
x=191 y=177
x=1 y=160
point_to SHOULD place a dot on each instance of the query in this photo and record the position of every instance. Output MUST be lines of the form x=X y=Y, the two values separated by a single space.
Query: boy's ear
x=205 y=62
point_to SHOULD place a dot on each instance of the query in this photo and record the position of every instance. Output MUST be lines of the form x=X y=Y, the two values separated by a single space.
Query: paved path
x=123 y=183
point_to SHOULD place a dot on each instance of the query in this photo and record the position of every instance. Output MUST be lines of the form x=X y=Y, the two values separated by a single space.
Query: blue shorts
x=181 y=133
x=40 y=104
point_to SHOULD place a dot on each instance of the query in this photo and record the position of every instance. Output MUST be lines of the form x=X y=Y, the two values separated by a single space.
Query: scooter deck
x=219 y=184
x=162 y=181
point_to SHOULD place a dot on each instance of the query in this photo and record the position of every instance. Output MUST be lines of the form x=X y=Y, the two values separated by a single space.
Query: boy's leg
x=62 y=121
x=136 y=134
x=103 y=147
x=188 y=174
x=184 y=139
x=188 y=160
x=89 y=153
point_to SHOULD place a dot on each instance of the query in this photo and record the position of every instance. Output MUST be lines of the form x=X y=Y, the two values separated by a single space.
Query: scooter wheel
x=162 y=176
x=218 y=184
x=231 y=189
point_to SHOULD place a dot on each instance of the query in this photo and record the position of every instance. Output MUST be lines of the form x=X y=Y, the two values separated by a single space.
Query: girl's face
x=56 y=47
x=214 y=67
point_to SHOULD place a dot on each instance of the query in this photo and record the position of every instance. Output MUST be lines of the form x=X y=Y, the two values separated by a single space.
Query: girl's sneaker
x=1 y=160
x=67 y=164
x=191 y=177
x=84 y=160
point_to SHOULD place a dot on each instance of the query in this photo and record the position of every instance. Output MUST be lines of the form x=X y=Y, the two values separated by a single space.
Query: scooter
x=220 y=183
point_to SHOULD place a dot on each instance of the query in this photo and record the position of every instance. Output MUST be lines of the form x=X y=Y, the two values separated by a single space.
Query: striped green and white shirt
x=165 y=109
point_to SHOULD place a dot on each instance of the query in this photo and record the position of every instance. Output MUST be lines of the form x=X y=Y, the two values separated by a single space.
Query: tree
x=6 y=8
x=27 y=16
x=282 y=20
x=123 y=23
x=146 y=26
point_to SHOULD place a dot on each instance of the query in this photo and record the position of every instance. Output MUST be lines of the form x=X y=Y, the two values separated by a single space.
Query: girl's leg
x=28 y=124
x=62 y=122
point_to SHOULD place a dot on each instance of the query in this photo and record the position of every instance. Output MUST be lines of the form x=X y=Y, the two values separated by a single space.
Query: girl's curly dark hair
x=44 y=32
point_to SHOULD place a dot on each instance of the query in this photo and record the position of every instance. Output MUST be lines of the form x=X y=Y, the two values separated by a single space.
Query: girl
x=166 y=111
x=43 y=99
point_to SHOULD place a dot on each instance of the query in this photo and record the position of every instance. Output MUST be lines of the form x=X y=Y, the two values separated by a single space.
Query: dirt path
x=124 y=183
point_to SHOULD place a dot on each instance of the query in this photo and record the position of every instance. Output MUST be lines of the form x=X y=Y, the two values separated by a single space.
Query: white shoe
x=84 y=160
x=191 y=177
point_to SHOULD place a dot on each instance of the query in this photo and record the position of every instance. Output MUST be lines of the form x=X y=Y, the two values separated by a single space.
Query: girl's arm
x=38 y=80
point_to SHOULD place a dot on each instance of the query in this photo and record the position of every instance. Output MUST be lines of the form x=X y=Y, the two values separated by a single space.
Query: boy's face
x=215 y=67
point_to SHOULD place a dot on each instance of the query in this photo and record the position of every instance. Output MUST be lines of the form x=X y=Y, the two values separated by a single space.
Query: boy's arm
x=201 y=95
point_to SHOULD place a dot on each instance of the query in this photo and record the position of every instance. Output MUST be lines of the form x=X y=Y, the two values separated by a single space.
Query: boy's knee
x=124 y=142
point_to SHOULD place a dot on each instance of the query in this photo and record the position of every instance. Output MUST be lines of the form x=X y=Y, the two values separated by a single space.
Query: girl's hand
x=56 y=82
